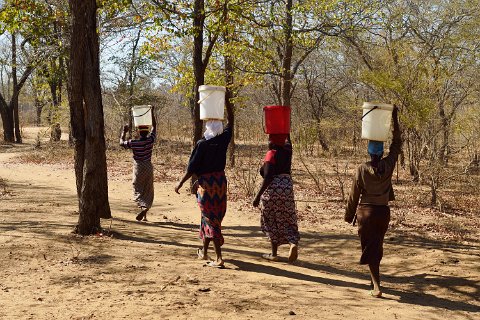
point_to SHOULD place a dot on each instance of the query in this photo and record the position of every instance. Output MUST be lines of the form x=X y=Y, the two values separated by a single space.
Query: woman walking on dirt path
x=278 y=214
x=207 y=162
x=142 y=165
x=373 y=182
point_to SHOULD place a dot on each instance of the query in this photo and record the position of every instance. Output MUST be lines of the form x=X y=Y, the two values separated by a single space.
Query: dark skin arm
x=267 y=167
x=154 y=120
x=396 y=125
x=187 y=176
x=124 y=132
x=268 y=177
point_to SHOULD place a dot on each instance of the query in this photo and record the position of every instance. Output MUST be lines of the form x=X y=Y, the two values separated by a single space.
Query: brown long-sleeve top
x=375 y=185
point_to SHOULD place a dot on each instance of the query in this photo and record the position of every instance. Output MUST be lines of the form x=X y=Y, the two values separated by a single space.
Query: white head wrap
x=214 y=128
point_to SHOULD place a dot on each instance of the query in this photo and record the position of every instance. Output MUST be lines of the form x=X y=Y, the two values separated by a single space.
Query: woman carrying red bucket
x=278 y=214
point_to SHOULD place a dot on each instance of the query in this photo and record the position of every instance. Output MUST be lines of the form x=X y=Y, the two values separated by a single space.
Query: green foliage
x=31 y=18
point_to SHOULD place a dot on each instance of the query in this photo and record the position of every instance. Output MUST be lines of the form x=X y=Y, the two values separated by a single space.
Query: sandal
x=270 y=257
x=214 y=264
x=201 y=256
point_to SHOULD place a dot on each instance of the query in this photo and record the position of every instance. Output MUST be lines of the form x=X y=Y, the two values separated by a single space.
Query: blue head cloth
x=375 y=147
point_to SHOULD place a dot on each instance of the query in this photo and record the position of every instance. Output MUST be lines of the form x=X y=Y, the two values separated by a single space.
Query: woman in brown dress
x=373 y=182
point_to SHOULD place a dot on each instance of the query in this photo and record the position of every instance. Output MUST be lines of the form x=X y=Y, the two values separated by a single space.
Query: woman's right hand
x=256 y=202
x=178 y=187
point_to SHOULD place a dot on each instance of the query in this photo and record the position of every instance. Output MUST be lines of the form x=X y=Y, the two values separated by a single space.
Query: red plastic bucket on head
x=277 y=119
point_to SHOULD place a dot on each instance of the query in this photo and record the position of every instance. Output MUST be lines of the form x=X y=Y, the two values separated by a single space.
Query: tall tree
x=29 y=24
x=86 y=116
x=9 y=110
x=199 y=21
x=282 y=34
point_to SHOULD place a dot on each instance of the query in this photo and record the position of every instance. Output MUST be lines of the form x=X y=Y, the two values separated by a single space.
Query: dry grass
x=319 y=181
x=3 y=188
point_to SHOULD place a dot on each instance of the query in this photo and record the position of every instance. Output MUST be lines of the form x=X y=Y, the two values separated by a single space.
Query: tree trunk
x=15 y=93
x=16 y=120
x=229 y=94
x=54 y=109
x=87 y=121
x=287 y=57
x=38 y=106
x=445 y=146
x=434 y=190
x=7 y=121
x=9 y=112
x=231 y=120
x=198 y=67
x=321 y=138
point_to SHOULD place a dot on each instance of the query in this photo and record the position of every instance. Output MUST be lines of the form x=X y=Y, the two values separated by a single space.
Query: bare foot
x=269 y=256
x=375 y=293
x=293 y=254
x=142 y=214
x=201 y=255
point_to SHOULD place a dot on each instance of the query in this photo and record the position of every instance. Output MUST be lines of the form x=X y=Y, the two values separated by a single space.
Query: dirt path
x=149 y=270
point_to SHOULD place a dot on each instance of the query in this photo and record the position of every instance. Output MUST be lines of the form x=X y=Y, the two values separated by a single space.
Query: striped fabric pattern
x=142 y=148
x=212 y=200
x=143 y=183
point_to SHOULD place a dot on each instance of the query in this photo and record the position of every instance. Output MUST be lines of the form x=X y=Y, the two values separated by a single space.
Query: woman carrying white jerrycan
x=142 y=165
x=372 y=185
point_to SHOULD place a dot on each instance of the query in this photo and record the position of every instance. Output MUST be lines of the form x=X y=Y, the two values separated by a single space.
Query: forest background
x=77 y=68
x=322 y=58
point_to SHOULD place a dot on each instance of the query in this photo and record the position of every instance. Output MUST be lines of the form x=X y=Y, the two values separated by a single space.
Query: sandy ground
x=149 y=270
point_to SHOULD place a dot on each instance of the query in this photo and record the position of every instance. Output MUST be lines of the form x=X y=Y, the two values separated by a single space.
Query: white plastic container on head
x=212 y=102
x=142 y=115
x=376 y=121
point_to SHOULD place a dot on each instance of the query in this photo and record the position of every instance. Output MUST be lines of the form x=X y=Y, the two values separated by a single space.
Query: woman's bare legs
x=375 y=274
x=218 y=251
x=272 y=256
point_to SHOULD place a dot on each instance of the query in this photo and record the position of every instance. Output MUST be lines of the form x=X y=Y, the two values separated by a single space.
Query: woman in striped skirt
x=142 y=165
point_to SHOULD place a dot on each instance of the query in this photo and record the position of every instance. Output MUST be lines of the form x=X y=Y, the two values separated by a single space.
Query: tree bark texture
x=14 y=101
x=7 y=121
x=198 y=67
x=9 y=111
x=38 y=108
x=86 y=115
x=287 y=56
x=229 y=94
x=445 y=129
x=54 y=109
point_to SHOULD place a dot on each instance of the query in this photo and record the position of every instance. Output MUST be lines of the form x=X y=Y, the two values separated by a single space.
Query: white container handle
x=376 y=107
x=205 y=98
x=141 y=115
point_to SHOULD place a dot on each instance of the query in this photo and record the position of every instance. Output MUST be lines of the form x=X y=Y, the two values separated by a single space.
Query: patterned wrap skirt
x=212 y=200
x=143 y=183
x=372 y=225
x=279 y=217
